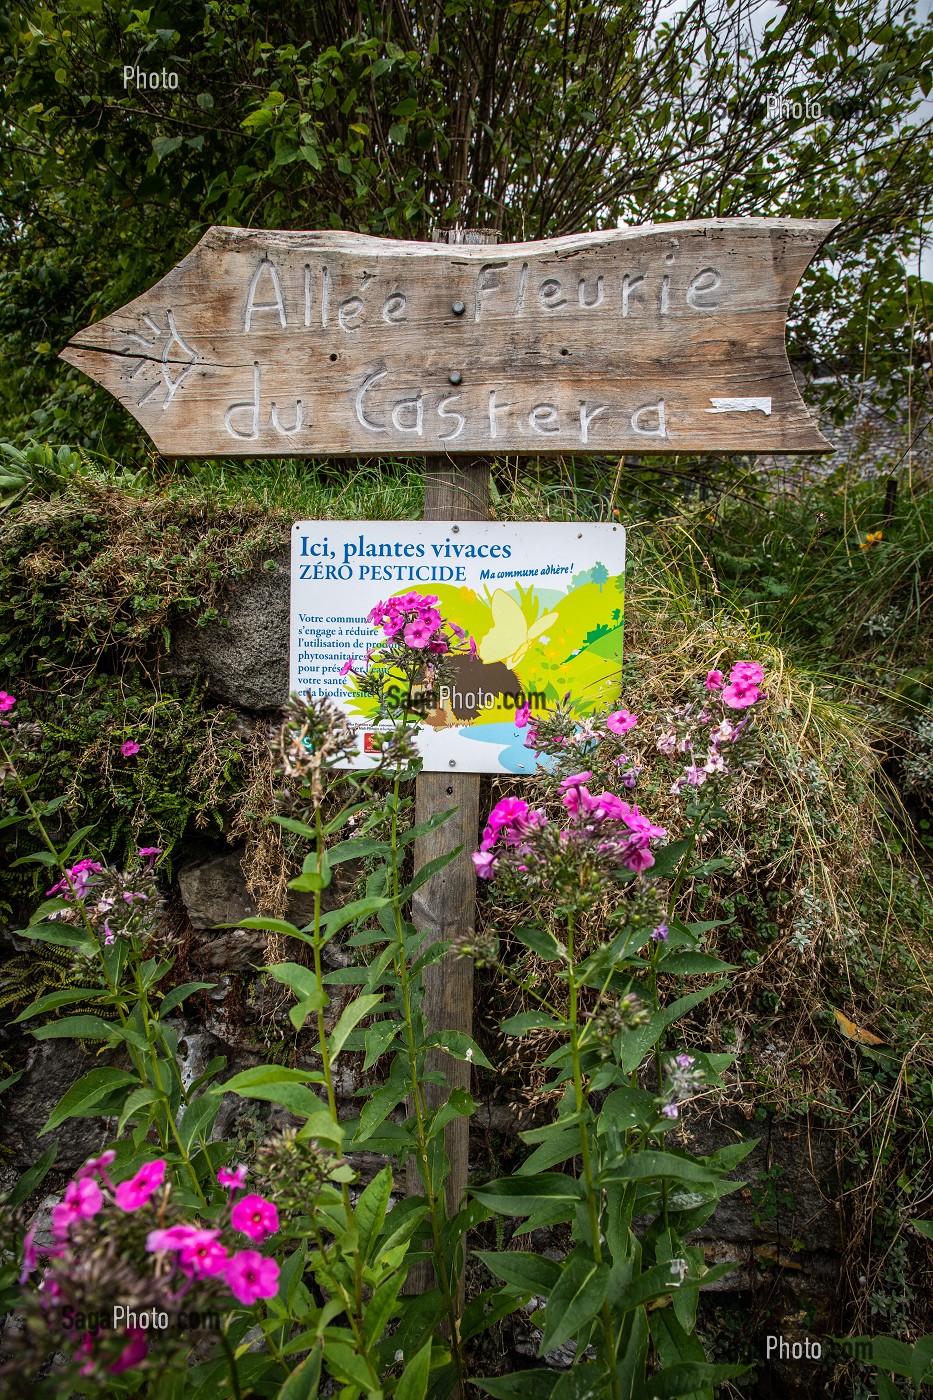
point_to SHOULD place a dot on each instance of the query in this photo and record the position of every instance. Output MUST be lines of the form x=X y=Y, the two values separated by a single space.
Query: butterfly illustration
x=511 y=634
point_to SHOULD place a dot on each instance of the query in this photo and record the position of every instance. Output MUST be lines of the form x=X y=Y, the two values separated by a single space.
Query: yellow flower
x=871 y=538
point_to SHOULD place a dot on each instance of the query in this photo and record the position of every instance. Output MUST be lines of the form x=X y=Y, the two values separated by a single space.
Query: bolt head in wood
x=458 y=308
x=455 y=377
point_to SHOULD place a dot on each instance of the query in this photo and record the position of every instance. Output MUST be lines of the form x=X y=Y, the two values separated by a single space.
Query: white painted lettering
x=443 y=413
x=658 y=410
x=413 y=406
x=664 y=299
x=629 y=285
x=350 y=310
x=522 y=285
x=252 y=408
x=706 y=281
x=307 y=294
x=325 y=295
x=543 y=419
x=275 y=423
x=363 y=390
x=550 y=294
x=494 y=411
x=252 y=305
x=486 y=281
x=581 y=292
x=586 y=418
x=393 y=308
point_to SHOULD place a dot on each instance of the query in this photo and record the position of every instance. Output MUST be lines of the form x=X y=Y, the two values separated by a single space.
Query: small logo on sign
x=369 y=745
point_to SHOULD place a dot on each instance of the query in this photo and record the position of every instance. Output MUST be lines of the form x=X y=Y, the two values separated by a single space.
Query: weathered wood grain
x=665 y=338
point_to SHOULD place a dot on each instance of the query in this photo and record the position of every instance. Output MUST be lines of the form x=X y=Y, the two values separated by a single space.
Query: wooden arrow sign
x=666 y=338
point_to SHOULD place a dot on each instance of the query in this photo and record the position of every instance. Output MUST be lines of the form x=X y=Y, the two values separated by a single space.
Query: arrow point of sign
x=740 y=406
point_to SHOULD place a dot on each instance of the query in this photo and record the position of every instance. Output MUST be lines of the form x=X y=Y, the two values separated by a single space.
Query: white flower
x=679 y=1270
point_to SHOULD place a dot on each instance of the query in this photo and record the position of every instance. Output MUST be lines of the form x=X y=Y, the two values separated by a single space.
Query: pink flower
x=457 y=631
x=522 y=715
x=150 y=853
x=132 y=1194
x=235 y=1179
x=417 y=634
x=636 y=822
x=714 y=680
x=661 y=933
x=86 y=1348
x=204 y=1257
x=131 y=1355
x=473 y=646
x=739 y=694
x=575 y=780
x=670 y=1110
x=485 y=863
x=621 y=722
x=667 y=744
x=347 y=667
x=129 y=748
x=6 y=701
x=30 y=1253
x=748 y=671
x=82 y=1200
x=175 y=1237
x=695 y=776
x=255 y=1216
x=722 y=733
x=531 y=739
x=96 y=1166
x=638 y=858
x=249 y=1276
x=506 y=811
x=685 y=1061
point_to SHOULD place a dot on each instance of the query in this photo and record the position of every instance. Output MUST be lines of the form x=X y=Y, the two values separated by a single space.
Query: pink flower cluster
x=742 y=690
x=414 y=617
x=198 y=1253
x=687 y=733
x=513 y=821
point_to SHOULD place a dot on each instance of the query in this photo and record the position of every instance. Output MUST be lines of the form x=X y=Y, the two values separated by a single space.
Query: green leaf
x=636 y=1044
x=627 y=1107
x=79 y=1028
x=370 y=1212
x=647 y=1166
x=337 y=919
x=925 y=1228
x=266 y=926
x=197 y=1119
x=60 y=936
x=53 y=1000
x=690 y=1376
x=668 y=857
x=459 y=1045
x=84 y=1098
x=530 y=1021
x=559 y=1146
x=350 y=1017
x=542 y=942
x=178 y=994
x=532 y=1273
x=304 y=1381
x=137 y=1100
x=414 y=1382
x=523 y=1195
x=377 y=1039
x=537 y=1384
x=427 y=872
x=30 y=1179
x=575 y=1299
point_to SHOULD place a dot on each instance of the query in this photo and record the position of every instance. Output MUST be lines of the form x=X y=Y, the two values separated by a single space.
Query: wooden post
x=444 y=908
